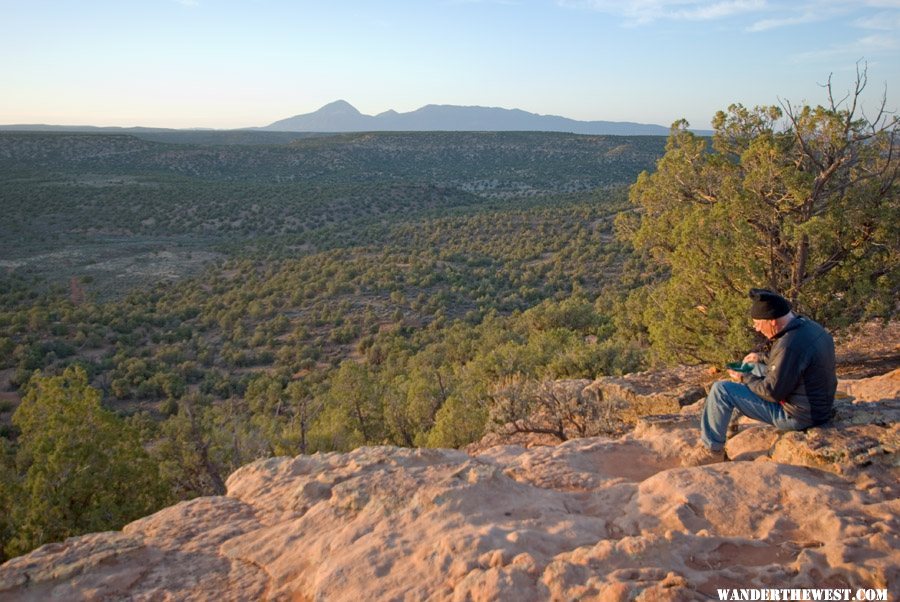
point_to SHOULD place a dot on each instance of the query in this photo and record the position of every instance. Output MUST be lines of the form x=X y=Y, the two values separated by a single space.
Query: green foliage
x=190 y=462
x=458 y=423
x=433 y=387
x=81 y=468
x=354 y=414
x=574 y=313
x=360 y=289
x=9 y=494
x=808 y=207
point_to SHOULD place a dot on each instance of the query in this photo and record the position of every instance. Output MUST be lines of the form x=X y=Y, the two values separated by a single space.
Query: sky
x=242 y=63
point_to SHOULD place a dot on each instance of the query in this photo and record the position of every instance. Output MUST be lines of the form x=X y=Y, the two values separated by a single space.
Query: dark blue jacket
x=800 y=372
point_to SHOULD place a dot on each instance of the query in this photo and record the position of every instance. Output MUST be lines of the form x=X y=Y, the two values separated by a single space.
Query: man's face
x=767 y=328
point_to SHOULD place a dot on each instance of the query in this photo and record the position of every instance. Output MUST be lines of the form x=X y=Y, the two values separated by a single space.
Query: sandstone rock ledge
x=591 y=519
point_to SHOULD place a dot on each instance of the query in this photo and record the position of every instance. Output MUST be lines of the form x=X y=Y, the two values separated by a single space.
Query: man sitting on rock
x=791 y=387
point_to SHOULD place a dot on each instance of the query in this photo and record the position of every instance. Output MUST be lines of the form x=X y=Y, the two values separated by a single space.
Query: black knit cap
x=767 y=305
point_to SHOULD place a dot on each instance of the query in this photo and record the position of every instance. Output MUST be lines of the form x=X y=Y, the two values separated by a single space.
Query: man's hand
x=751 y=358
x=735 y=376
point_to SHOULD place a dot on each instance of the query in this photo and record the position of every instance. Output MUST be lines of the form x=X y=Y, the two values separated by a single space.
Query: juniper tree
x=81 y=468
x=800 y=199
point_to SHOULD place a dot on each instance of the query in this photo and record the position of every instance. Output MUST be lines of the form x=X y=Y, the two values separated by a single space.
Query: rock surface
x=590 y=519
x=652 y=392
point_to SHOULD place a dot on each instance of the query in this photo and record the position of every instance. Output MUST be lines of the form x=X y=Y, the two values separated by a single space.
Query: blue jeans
x=725 y=397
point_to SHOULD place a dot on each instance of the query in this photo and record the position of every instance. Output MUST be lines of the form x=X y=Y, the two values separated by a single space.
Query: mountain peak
x=339 y=107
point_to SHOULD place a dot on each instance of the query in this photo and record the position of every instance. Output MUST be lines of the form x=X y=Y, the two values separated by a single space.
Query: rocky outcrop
x=596 y=518
x=877 y=388
x=652 y=392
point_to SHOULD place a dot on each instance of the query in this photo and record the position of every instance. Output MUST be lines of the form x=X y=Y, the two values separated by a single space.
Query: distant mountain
x=341 y=116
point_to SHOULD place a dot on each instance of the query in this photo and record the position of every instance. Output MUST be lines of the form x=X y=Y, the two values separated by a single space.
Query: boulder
x=652 y=392
x=876 y=388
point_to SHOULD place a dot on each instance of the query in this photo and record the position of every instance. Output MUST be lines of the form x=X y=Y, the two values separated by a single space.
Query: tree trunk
x=798 y=271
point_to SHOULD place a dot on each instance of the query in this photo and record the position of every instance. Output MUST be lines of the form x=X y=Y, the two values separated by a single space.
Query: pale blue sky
x=238 y=63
